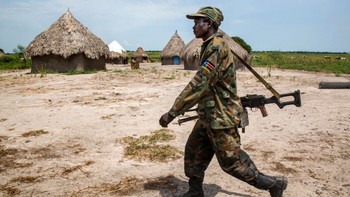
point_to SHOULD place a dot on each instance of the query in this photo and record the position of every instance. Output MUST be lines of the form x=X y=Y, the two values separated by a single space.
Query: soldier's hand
x=165 y=119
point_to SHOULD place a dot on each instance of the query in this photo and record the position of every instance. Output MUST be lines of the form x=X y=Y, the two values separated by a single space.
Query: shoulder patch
x=208 y=66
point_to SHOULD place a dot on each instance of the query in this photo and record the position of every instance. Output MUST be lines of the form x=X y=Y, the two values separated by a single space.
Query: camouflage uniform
x=214 y=89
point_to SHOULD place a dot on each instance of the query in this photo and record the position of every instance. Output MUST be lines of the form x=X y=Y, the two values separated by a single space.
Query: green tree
x=20 y=52
x=243 y=44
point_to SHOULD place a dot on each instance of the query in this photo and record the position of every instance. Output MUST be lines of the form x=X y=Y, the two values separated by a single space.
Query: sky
x=266 y=25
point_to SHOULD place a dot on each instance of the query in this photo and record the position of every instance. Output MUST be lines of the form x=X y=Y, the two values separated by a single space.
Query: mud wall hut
x=140 y=55
x=171 y=54
x=67 y=45
x=117 y=54
x=191 y=53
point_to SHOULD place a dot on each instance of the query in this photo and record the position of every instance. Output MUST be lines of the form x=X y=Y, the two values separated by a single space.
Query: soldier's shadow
x=171 y=186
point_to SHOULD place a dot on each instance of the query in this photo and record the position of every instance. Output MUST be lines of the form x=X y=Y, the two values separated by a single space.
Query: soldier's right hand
x=165 y=119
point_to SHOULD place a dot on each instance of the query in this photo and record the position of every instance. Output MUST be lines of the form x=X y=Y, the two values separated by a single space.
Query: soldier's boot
x=196 y=188
x=275 y=185
x=279 y=187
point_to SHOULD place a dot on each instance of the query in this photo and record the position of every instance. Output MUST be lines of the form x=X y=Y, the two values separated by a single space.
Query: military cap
x=213 y=13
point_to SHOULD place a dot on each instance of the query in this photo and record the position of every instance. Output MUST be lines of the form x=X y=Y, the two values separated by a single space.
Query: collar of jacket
x=217 y=34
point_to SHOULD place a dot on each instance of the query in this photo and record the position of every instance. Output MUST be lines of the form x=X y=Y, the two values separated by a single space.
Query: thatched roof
x=174 y=47
x=140 y=53
x=192 y=50
x=66 y=37
x=113 y=55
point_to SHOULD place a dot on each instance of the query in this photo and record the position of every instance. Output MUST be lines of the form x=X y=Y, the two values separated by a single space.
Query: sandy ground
x=82 y=116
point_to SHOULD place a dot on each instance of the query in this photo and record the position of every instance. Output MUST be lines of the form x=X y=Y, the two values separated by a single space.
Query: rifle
x=257 y=101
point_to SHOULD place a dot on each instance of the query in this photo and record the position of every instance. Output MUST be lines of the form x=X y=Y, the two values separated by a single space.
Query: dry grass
x=70 y=170
x=125 y=187
x=150 y=147
x=129 y=186
x=10 y=190
x=26 y=179
x=34 y=133
x=3 y=119
x=8 y=158
x=279 y=167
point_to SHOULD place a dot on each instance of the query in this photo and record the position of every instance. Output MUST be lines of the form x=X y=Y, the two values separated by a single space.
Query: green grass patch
x=14 y=62
x=75 y=72
x=338 y=63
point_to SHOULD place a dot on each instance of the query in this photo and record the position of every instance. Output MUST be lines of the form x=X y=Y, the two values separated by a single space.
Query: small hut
x=67 y=45
x=191 y=53
x=140 y=55
x=171 y=54
x=117 y=54
x=2 y=53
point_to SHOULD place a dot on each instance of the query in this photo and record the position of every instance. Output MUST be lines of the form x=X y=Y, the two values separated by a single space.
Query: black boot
x=279 y=187
x=275 y=185
x=196 y=189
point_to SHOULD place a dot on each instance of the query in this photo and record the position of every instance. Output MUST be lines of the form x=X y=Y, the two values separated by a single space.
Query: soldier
x=214 y=89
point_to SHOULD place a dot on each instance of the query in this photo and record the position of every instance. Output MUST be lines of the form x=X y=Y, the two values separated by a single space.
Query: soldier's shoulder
x=218 y=41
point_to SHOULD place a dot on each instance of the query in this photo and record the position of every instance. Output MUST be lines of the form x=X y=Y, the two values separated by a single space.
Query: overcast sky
x=283 y=25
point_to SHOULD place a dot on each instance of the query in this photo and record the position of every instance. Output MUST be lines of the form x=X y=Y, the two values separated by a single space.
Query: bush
x=14 y=61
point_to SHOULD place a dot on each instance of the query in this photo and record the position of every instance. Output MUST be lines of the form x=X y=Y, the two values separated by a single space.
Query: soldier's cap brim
x=196 y=15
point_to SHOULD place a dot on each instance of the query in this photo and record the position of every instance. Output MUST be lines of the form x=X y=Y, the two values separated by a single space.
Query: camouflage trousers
x=204 y=142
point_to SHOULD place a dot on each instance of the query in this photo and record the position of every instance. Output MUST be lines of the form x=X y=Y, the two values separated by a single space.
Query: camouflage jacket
x=213 y=87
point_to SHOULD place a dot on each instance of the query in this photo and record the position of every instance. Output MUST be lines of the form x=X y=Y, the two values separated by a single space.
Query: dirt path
x=58 y=134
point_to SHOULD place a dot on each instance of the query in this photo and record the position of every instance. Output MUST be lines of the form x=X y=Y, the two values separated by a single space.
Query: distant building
x=140 y=55
x=171 y=54
x=117 y=54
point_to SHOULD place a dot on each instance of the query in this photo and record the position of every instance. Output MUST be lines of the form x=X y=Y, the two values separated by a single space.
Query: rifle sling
x=267 y=85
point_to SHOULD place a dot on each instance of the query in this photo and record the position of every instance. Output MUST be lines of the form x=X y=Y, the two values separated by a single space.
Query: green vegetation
x=338 y=63
x=243 y=44
x=75 y=72
x=13 y=62
x=154 y=56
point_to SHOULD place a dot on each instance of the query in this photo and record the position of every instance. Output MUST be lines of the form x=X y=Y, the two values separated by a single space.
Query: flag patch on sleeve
x=208 y=66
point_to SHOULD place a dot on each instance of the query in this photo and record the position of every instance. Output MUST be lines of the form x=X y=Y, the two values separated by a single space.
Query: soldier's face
x=201 y=28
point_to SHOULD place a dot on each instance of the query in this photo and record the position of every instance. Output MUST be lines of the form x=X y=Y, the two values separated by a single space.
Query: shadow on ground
x=171 y=186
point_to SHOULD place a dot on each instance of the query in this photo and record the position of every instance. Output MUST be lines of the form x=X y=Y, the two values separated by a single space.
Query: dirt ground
x=58 y=134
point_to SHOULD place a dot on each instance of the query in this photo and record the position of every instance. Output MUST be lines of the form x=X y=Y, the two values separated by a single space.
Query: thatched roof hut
x=67 y=45
x=117 y=58
x=191 y=53
x=2 y=53
x=140 y=55
x=117 y=54
x=171 y=54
